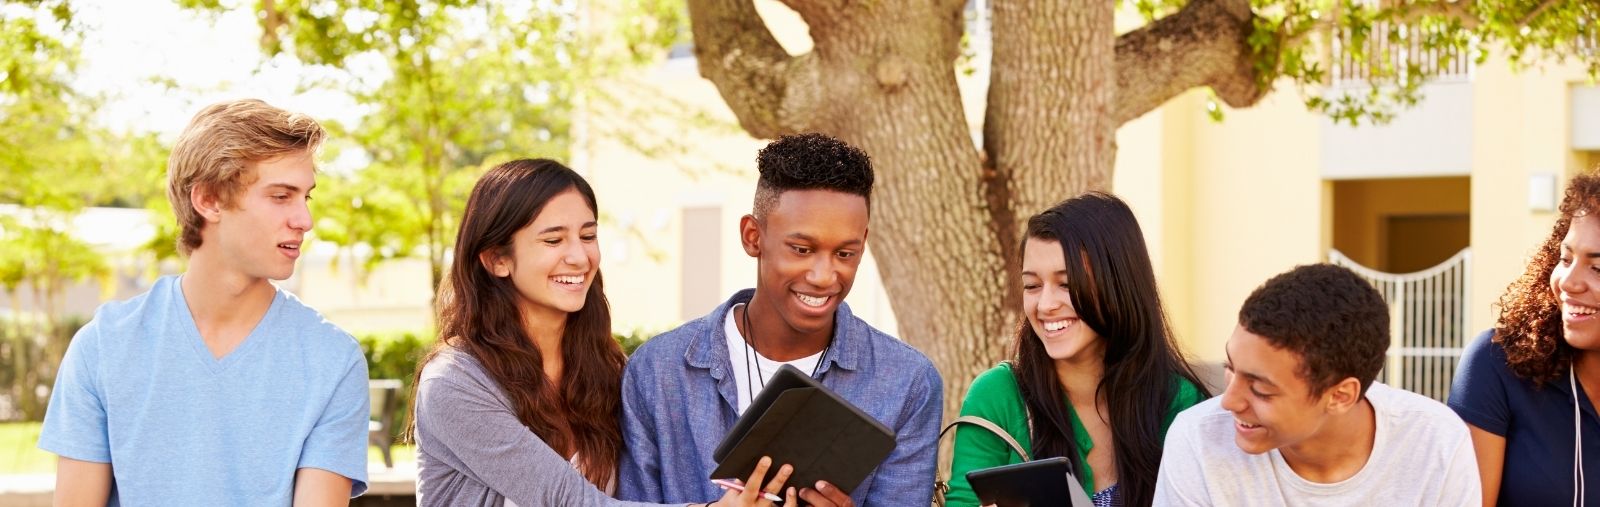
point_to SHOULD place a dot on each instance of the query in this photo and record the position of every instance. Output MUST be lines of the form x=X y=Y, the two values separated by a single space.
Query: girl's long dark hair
x=1113 y=289
x=478 y=314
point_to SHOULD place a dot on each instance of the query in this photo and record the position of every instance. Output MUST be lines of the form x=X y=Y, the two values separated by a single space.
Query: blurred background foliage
x=448 y=89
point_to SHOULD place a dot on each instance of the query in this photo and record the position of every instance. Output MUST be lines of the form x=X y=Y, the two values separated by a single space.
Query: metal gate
x=1429 y=317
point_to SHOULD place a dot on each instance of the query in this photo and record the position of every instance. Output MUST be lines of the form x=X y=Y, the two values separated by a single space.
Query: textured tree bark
x=947 y=218
x=1048 y=133
x=1202 y=45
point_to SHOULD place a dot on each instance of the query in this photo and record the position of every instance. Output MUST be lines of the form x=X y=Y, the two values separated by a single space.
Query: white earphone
x=1577 y=450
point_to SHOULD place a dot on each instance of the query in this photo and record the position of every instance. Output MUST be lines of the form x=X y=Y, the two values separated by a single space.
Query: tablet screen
x=1035 y=483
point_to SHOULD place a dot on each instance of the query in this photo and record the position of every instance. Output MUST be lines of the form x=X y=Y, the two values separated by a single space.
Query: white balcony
x=1585 y=117
x=1434 y=138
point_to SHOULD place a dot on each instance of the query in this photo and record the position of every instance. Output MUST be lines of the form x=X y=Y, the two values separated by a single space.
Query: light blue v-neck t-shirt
x=140 y=390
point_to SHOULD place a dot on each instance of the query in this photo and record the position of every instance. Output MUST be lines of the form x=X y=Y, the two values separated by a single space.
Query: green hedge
x=632 y=340
x=395 y=356
x=29 y=359
x=30 y=354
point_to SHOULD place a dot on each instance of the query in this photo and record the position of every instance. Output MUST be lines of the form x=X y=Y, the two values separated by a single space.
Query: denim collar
x=709 y=348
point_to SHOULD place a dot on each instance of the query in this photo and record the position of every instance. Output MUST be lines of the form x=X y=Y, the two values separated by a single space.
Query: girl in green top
x=1096 y=377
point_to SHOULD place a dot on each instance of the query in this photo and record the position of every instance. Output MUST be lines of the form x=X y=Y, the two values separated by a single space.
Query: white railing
x=1429 y=317
x=1406 y=48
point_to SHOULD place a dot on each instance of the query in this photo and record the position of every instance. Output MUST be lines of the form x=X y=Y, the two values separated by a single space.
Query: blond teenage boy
x=215 y=387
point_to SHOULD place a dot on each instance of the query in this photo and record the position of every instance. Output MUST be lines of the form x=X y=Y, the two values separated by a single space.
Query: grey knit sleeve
x=473 y=450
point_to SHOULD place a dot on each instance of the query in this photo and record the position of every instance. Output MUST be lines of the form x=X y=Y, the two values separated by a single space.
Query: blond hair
x=215 y=151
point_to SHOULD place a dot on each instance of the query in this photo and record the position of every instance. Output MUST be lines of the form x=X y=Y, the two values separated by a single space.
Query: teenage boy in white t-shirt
x=1310 y=427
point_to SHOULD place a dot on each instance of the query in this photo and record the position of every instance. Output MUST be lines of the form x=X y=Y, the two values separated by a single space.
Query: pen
x=729 y=484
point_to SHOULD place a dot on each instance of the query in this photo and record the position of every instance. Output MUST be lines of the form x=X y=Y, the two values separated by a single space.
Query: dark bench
x=380 y=428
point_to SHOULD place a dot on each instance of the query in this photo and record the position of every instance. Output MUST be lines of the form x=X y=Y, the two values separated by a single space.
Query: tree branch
x=1204 y=44
x=770 y=92
x=815 y=10
x=1460 y=10
x=1536 y=12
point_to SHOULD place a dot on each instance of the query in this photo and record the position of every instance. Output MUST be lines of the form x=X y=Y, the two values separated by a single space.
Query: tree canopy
x=452 y=88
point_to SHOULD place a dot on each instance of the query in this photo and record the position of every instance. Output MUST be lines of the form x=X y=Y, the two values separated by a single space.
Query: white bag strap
x=1079 y=498
x=942 y=484
x=992 y=427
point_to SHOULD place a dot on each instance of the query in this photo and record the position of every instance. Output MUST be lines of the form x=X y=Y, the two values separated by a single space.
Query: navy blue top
x=1536 y=421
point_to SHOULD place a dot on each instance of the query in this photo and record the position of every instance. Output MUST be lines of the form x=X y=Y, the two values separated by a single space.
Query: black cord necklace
x=753 y=357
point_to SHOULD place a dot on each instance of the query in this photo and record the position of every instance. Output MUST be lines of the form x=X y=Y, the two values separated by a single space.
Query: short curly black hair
x=1335 y=321
x=810 y=161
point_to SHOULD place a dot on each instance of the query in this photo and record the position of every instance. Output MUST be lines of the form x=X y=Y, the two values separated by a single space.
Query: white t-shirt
x=1421 y=455
x=746 y=362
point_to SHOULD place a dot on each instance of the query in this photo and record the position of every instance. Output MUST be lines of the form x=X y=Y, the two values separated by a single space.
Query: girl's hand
x=754 y=487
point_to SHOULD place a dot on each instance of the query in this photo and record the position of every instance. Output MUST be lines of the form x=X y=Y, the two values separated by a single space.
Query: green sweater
x=994 y=395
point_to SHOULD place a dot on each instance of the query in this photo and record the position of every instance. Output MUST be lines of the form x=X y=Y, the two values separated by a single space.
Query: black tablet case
x=796 y=420
x=1033 y=483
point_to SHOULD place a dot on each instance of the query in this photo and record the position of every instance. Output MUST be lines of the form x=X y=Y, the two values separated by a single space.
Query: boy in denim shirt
x=682 y=390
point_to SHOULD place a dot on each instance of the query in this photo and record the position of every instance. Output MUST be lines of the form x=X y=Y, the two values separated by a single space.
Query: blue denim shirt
x=679 y=398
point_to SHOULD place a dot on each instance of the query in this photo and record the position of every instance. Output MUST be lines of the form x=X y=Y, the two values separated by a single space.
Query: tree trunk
x=434 y=178
x=1049 y=134
x=893 y=94
x=947 y=219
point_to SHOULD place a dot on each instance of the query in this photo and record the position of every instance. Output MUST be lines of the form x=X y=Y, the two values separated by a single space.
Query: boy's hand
x=826 y=495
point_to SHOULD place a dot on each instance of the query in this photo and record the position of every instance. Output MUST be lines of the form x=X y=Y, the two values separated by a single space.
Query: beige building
x=1479 y=164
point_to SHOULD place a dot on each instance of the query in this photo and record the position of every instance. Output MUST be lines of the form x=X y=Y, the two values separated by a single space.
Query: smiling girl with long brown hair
x=524 y=384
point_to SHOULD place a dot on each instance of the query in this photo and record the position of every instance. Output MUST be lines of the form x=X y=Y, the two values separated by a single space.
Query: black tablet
x=1035 y=483
x=796 y=420
x=787 y=377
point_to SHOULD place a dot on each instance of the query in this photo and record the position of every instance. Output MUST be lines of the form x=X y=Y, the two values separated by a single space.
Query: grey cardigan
x=472 y=450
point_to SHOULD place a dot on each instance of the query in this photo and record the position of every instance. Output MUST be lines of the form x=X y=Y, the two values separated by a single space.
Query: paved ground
x=386 y=486
x=26 y=490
